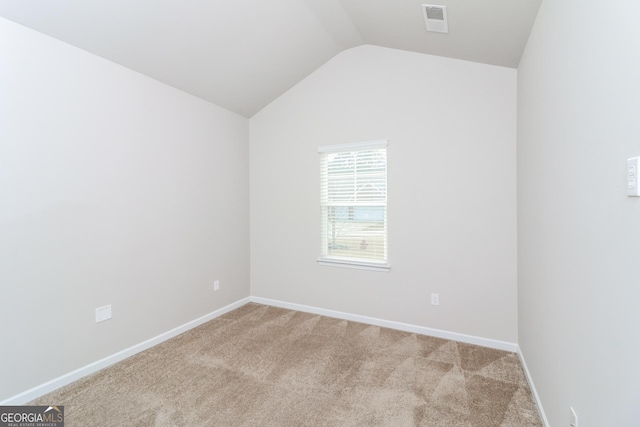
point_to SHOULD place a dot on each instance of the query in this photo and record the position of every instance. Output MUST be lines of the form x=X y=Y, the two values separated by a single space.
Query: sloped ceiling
x=242 y=54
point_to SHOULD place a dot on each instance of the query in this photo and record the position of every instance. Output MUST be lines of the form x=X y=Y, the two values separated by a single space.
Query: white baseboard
x=49 y=386
x=469 y=339
x=543 y=416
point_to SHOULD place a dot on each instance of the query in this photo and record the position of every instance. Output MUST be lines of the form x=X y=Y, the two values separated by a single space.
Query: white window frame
x=346 y=262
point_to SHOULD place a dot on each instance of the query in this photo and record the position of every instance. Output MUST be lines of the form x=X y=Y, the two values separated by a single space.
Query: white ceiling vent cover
x=435 y=17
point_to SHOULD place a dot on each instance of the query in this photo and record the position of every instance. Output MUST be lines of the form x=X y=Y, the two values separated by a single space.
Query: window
x=353 y=203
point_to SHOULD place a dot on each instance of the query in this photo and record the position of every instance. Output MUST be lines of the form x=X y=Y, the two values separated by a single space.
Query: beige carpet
x=266 y=366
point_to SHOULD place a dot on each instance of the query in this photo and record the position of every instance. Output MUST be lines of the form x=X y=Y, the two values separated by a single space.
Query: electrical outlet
x=216 y=285
x=573 y=418
x=435 y=299
x=103 y=313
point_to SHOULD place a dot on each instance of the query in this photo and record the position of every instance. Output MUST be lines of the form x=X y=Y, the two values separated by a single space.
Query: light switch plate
x=633 y=186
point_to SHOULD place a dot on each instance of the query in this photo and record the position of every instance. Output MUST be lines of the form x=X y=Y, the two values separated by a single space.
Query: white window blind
x=353 y=204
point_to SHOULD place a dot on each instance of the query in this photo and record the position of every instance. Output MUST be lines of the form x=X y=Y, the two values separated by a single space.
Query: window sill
x=354 y=264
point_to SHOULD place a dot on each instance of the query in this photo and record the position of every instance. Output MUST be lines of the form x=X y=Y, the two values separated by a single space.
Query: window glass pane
x=356 y=232
x=362 y=213
x=353 y=201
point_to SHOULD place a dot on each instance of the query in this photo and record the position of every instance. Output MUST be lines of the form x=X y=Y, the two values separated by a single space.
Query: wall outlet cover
x=435 y=299
x=103 y=313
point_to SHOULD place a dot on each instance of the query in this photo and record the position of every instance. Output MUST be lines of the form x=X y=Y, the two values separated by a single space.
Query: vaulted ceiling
x=242 y=54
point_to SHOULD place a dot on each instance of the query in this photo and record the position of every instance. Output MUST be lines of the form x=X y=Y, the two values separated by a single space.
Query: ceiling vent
x=435 y=17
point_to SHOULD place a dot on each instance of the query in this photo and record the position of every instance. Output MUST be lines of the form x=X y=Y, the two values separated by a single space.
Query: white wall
x=114 y=189
x=451 y=127
x=578 y=232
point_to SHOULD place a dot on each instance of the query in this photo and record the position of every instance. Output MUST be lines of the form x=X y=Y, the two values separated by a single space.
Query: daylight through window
x=353 y=200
